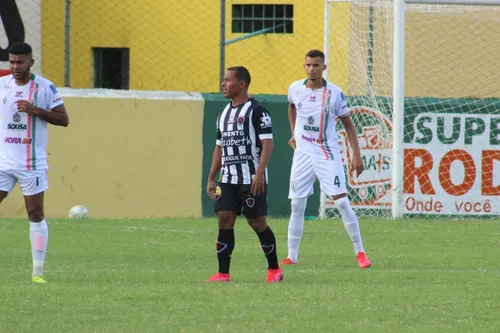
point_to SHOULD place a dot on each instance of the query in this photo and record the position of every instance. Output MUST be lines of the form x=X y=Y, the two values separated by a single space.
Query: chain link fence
x=164 y=45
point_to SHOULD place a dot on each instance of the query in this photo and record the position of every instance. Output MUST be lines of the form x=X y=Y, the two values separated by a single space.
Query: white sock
x=296 y=227
x=350 y=223
x=39 y=236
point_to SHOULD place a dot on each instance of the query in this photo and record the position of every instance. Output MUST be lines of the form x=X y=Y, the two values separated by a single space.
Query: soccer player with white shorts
x=29 y=103
x=314 y=106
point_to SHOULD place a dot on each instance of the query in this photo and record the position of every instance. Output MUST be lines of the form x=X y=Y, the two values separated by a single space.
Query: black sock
x=268 y=243
x=225 y=246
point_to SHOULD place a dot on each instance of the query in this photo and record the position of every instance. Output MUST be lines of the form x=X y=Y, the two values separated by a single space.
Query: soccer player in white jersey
x=29 y=104
x=314 y=107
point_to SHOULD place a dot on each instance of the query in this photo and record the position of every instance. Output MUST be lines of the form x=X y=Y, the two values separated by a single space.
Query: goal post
x=424 y=89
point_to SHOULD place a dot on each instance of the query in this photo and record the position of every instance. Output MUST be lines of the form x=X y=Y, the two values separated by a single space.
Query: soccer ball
x=78 y=212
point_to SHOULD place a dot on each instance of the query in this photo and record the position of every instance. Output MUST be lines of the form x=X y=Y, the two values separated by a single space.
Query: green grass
x=146 y=276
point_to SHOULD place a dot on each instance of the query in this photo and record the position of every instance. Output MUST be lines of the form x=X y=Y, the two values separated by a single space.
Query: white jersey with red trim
x=317 y=112
x=24 y=136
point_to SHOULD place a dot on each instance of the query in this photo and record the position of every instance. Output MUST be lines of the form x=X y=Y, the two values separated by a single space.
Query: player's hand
x=257 y=184
x=25 y=106
x=357 y=165
x=292 y=143
x=211 y=189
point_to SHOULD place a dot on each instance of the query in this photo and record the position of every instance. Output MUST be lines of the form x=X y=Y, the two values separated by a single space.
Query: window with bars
x=111 y=67
x=251 y=18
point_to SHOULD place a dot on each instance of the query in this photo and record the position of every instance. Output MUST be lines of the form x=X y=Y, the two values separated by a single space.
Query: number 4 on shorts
x=336 y=181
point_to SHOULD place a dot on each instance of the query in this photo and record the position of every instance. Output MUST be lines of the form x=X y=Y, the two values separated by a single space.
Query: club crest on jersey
x=299 y=105
x=310 y=120
x=240 y=121
x=250 y=202
x=16 y=117
x=4 y=100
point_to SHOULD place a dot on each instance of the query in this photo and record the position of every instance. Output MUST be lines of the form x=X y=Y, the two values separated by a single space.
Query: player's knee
x=34 y=207
x=36 y=216
x=258 y=224
x=3 y=195
x=342 y=203
x=35 y=211
x=299 y=205
x=226 y=220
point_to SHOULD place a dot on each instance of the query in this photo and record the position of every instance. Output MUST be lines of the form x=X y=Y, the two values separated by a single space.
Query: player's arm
x=258 y=181
x=263 y=128
x=352 y=136
x=54 y=114
x=265 y=155
x=57 y=116
x=216 y=165
x=214 y=169
x=342 y=111
x=292 y=118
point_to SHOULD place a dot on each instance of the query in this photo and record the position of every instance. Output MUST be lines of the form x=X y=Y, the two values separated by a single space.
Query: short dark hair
x=20 y=48
x=315 y=54
x=242 y=74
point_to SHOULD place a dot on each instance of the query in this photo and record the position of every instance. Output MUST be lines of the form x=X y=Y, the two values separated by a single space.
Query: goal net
x=450 y=149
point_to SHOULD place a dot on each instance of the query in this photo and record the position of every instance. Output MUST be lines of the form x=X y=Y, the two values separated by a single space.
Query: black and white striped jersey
x=240 y=130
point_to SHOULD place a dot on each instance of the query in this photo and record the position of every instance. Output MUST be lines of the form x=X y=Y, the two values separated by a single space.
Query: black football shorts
x=237 y=198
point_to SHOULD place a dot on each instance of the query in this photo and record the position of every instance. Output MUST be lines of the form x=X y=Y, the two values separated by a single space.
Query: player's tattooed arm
x=58 y=116
x=356 y=163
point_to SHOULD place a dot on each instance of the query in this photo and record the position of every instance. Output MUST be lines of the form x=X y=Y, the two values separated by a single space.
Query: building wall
x=175 y=46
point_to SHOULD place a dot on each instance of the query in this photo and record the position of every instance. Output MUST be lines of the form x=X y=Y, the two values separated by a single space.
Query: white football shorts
x=307 y=169
x=31 y=182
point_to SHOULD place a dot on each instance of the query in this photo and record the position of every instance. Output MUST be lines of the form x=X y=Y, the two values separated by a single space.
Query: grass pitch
x=146 y=276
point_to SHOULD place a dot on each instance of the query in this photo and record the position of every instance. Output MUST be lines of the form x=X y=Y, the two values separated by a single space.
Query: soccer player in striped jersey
x=242 y=151
x=314 y=106
x=29 y=103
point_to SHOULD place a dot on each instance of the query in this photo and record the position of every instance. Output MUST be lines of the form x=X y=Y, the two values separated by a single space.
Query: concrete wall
x=124 y=156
